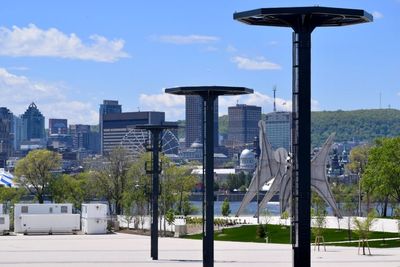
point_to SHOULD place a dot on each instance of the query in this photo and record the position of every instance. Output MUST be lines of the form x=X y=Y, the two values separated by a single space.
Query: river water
x=272 y=207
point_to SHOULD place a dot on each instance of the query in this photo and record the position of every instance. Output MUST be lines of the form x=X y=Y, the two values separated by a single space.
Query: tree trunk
x=349 y=228
x=368 y=203
x=385 y=206
x=117 y=208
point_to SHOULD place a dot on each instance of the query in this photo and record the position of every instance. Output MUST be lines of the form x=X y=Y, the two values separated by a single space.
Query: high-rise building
x=18 y=132
x=58 y=126
x=278 y=125
x=108 y=107
x=194 y=114
x=243 y=124
x=6 y=135
x=80 y=135
x=118 y=128
x=33 y=124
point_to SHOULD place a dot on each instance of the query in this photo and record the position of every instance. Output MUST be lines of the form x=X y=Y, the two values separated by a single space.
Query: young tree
x=260 y=231
x=363 y=230
x=319 y=222
x=34 y=172
x=358 y=160
x=225 y=208
x=113 y=178
x=137 y=195
x=349 y=206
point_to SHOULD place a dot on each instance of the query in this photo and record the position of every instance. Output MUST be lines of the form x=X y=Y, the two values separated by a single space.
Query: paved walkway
x=131 y=250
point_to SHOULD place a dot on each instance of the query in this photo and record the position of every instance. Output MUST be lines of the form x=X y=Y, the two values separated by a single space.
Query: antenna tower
x=274 y=98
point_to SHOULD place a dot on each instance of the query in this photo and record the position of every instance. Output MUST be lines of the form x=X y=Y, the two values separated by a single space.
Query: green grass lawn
x=281 y=235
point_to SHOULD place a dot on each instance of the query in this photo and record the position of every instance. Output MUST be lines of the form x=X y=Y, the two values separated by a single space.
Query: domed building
x=247 y=160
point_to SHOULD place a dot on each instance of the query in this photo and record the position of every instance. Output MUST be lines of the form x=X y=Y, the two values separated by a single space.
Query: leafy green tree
x=137 y=195
x=73 y=189
x=382 y=173
x=11 y=195
x=35 y=172
x=188 y=208
x=112 y=180
x=225 y=208
x=235 y=181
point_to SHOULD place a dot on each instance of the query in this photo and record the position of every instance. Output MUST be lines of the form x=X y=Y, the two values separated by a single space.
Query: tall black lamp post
x=303 y=20
x=209 y=94
x=156 y=131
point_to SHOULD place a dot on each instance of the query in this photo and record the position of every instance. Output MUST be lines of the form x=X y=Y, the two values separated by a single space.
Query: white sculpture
x=277 y=165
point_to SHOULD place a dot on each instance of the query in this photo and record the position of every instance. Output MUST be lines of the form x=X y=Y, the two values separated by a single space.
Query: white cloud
x=172 y=105
x=264 y=101
x=187 y=39
x=231 y=49
x=17 y=92
x=255 y=64
x=35 y=42
x=377 y=15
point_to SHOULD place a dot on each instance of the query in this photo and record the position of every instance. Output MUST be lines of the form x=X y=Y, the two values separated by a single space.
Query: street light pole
x=303 y=20
x=209 y=94
x=155 y=172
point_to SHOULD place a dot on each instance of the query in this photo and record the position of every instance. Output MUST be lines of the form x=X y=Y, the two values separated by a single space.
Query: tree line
x=118 y=179
x=378 y=168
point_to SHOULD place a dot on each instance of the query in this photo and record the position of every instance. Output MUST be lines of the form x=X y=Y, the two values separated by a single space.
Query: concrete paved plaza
x=133 y=250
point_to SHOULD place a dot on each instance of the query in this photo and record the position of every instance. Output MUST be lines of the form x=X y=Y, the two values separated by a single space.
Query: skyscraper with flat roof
x=243 y=124
x=118 y=128
x=278 y=125
x=108 y=107
x=194 y=114
x=58 y=126
x=6 y=135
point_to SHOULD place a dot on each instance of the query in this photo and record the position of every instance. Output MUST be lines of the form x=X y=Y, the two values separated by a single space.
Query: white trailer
x=94 y=210
x=50 y=223
x=94 y=218
x=4 y=221
x=45 y=218
x=94 y=226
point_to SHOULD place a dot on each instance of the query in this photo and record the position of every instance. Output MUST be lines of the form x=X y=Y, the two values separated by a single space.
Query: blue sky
x=67 y=56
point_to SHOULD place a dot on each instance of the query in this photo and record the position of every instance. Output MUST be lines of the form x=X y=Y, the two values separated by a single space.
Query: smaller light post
x=155 y=171
x=209 y=94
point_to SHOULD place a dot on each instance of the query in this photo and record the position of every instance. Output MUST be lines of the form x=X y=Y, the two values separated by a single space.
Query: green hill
x=361 y=125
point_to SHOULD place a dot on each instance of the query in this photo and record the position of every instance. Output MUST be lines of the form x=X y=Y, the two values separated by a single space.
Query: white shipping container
x=49 y=223
x=94 y=225
x=4 y=223
x=51 y=208
x=94 y=210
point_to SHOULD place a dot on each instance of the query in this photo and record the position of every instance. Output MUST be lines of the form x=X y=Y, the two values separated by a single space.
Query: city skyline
x=68 y=57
